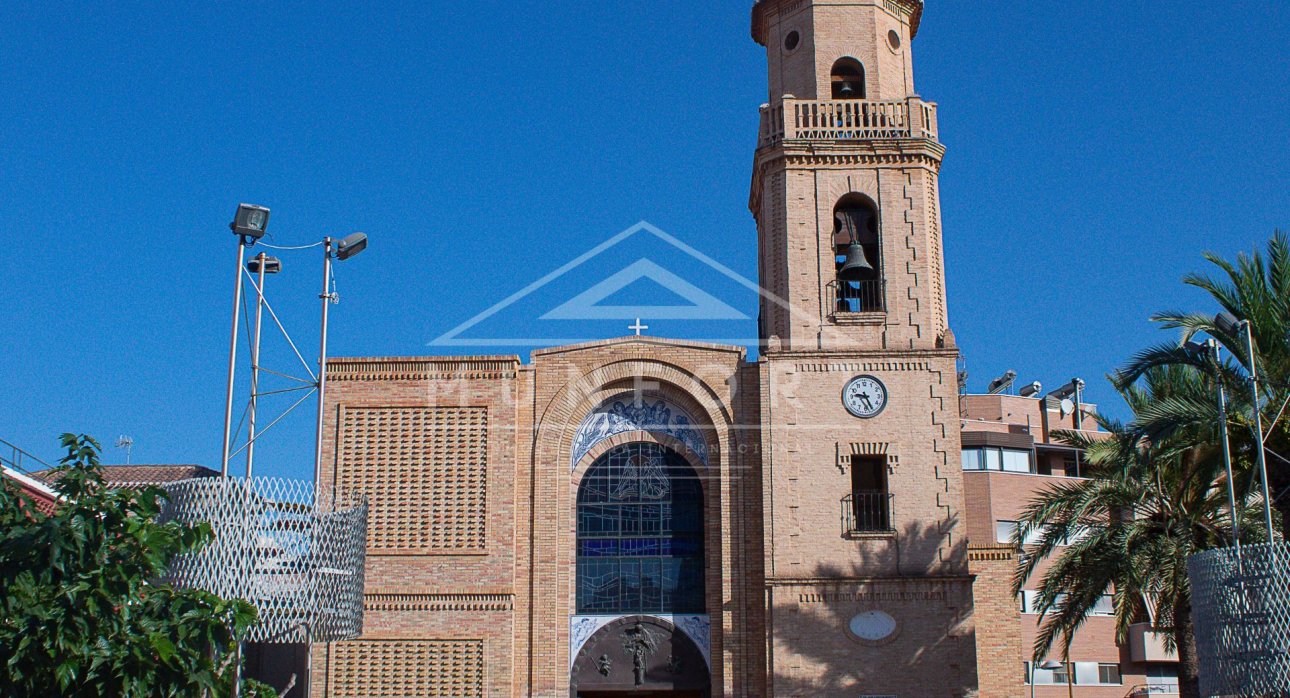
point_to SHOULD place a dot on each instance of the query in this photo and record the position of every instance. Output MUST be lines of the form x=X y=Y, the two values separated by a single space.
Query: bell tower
x=867 y=588
x=845 y=180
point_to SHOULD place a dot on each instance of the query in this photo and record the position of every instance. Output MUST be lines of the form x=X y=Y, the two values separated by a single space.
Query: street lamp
x=1229 y=325
x=260 y=265
x=1209 y=352
x=249 y=224
x=345 y=248
x=1046 y=666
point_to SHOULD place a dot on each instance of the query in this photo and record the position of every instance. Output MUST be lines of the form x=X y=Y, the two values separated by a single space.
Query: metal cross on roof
x=638 y=327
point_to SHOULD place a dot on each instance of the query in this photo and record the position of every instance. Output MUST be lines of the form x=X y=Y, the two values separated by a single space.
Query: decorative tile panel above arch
x=848 y=450
x=626 y=413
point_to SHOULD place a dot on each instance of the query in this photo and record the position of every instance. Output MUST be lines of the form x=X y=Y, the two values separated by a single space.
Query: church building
x=660 y=517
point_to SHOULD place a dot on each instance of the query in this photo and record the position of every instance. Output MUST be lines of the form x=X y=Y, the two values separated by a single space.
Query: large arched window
x=848 y=79
x=640 y=533
x=857 y=248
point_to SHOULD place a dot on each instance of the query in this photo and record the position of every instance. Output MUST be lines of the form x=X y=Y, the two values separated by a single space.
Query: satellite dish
x=1068 y=406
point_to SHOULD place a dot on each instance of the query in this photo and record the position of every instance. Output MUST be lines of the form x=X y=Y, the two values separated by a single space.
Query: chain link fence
x=297 y=559
x=1241 y=610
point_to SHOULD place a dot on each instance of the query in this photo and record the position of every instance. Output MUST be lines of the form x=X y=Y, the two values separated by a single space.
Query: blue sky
x=1095 y=149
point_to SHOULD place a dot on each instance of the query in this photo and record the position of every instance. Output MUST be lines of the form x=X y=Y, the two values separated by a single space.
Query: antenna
x=127 y=442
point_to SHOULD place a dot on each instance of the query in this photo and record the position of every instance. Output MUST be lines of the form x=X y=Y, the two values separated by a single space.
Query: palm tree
x=1256 y=288
x=1129 y=528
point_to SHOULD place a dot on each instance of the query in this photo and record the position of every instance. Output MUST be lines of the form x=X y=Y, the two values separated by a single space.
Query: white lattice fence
x=1241 y=609
x=299 y=561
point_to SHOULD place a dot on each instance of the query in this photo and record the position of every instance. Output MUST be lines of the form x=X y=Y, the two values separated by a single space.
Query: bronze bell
x=847 y=90
x=856 y=266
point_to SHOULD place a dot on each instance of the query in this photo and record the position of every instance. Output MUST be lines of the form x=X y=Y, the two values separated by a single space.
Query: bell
x=856 y=266
x=847 y=90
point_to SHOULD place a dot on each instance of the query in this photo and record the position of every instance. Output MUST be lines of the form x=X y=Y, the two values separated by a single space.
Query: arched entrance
x=641 y=656
x=640 y=561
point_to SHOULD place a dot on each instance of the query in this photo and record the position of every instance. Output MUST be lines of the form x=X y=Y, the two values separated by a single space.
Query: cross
x=638 y=327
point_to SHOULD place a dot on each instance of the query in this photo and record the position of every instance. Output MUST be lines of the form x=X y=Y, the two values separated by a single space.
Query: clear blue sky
x=1095 y=149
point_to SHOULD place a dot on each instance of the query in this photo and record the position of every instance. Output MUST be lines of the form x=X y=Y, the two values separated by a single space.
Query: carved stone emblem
x=604 y=665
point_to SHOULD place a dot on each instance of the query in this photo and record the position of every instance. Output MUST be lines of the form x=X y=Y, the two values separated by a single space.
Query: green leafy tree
x=1256 y=287
x=1129 y=528
x=81 y=609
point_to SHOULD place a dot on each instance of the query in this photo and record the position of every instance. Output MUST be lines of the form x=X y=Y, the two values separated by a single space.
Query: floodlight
x=250 y=221
x=351 y=245
x=272 y=265
x=1227 y=323
x=1031 y=390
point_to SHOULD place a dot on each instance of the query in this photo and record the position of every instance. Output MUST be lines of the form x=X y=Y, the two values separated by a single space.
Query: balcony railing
x=866 y=512
x=1153 y=689
x=860 y=296
x=847 y=120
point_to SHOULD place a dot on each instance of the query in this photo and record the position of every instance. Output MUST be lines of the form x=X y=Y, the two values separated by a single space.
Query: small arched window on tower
x=848 y=79
x=858 y=256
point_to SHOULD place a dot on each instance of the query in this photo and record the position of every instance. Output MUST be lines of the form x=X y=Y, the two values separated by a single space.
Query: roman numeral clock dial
x=865 y=397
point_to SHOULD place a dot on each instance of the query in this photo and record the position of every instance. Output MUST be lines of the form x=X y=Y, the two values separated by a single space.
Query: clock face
x=865 y=396
x=872 y=626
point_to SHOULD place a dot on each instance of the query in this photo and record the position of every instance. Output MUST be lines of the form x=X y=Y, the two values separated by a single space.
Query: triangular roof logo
x=586 y=305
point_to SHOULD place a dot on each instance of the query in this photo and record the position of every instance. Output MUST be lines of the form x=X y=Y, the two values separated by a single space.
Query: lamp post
x=1210 y=353
x=248 y=225
x=345 y=248
x=1228 y=324
x=260 y=265
x=1046 y=666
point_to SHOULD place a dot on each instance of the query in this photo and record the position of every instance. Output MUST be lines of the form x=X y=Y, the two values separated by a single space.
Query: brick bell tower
x=866 y=577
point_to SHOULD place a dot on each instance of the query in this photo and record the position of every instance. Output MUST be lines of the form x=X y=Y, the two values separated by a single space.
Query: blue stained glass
x=640 y=534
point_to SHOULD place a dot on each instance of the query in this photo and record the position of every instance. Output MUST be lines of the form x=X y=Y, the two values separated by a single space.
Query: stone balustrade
x=847 y=120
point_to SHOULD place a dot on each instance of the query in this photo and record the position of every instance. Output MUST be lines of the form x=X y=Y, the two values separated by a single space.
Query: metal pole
x=1258 y=428
x=1227 y=451
x=255 y=366
x=232 y=355
x=322 y=364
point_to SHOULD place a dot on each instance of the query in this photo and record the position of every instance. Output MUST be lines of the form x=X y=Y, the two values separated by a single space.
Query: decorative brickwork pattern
x=426 y=468
x=396 y=669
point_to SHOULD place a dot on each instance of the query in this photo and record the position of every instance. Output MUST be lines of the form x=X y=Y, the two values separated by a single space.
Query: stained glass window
x=640 y=533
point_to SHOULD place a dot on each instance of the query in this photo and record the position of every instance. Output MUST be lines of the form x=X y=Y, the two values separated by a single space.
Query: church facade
x=661 y=517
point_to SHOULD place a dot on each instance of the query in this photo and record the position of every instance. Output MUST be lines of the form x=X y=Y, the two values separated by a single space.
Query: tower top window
x=847 y=78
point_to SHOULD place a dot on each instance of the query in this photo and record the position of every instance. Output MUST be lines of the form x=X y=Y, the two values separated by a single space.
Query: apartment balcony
x=1148 y=645
x=866 y=513
x=1153 y=689
x=847 y=120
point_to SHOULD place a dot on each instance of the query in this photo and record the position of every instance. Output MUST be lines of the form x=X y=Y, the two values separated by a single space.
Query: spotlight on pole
x=1227 y=323
x=272 y=265
x=351 y=245
x=251 y=221
x=1031 y=390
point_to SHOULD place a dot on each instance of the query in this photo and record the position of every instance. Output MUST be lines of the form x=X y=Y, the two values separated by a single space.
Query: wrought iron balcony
x=860 y=296
x=866 y=512
x=847 y=120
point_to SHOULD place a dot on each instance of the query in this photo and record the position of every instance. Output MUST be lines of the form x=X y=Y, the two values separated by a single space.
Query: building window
x=1008 y=460
x=857 y=254
x=1105 y=606
x=1049 y=677
x=640 y=533
x=1109 y=674
x=868 y=508
x=848 y=79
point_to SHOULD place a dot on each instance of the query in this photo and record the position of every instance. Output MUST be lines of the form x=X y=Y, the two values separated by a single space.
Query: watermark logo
x=641 y=275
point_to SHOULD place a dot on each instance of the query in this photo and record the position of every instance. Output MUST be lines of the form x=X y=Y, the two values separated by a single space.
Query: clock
x=872 y=626
x=865 y=397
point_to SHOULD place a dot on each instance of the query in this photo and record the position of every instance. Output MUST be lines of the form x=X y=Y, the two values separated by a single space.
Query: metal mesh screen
x=300 y=562
x=1241 y=609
